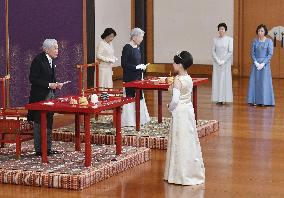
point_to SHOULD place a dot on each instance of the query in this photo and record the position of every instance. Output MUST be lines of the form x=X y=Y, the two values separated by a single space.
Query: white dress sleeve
x=100 y=50
x=214 y=55
x=175 y=99
x=230 y=50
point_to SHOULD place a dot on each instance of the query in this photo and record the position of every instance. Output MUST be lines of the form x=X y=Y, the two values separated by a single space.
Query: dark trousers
x=37 y=131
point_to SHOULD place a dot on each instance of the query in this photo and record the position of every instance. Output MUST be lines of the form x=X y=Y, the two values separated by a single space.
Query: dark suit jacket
x=131 y=57
x=41 y=74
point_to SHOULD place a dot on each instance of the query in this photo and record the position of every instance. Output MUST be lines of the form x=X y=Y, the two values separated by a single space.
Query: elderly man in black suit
x=43 y=85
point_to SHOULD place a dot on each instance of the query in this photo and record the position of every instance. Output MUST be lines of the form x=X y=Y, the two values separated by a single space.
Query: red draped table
x=149 y=84
x=61 y=105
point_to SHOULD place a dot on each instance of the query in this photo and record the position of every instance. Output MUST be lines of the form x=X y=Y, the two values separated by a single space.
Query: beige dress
x=184 y=163
x=105 y=53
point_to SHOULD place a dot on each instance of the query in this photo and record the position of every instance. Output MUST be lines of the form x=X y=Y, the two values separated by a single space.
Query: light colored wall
x=117 y=15
x=189 y=25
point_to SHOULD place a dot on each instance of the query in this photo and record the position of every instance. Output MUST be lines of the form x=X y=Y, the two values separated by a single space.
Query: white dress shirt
x=49 y=60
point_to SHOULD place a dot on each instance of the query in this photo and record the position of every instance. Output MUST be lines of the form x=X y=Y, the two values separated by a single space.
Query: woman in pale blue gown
x=260 y=90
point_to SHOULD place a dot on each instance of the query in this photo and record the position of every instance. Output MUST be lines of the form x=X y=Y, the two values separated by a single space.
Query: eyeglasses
x=178 y=55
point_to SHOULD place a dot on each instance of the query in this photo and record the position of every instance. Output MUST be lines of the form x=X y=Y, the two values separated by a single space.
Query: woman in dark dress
x=133 y=68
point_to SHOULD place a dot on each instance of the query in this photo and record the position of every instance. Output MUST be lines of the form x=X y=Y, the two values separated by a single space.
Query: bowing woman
x=131 y=62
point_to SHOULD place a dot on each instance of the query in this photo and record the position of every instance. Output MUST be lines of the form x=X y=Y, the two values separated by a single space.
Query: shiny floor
x=244 y=159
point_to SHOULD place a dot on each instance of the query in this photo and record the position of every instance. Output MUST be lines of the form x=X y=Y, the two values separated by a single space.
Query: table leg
x=160 y=108
x=88 y=148
x=3 y=99
x=195 y=101
x=137 y=105
x=118 y=131
x=114 y=118
x=43 y=137
x=77 y=133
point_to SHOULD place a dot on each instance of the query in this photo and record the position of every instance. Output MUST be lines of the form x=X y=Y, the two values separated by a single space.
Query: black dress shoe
x=52 y=152
x=252 y=104
x=260 y=105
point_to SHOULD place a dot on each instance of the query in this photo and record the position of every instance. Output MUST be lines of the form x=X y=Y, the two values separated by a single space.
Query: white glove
x=218 y=61
x=141 y=66
x=112 y=60
x=260 y=67
x=221 y=62
x=145 y=66
x=256 y=64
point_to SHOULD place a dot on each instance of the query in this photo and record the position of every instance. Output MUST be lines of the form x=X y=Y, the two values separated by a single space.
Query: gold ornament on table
x=83 y=91
x=83 y=100
x=170 y=79
x=162 y=80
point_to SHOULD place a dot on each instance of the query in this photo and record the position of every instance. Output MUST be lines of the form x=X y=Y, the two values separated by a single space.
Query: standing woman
x=184 y=163
x=260 y=90
x=105 y=55
x=222 y=51
x=131 y=62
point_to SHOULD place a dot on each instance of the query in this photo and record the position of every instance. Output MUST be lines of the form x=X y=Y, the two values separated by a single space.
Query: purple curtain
x=2 y=38
x=32 y=21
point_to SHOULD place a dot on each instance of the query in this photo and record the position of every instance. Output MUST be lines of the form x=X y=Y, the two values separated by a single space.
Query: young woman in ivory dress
x=105 y=55
x=222 y=52
x=131 y=62
x=184 y=163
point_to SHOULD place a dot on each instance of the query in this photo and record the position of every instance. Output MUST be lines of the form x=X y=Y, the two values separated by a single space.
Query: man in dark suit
x=43 y=85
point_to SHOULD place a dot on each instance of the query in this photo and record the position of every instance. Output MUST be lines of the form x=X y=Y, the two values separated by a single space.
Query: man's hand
x=59 y=85
x=52 y=85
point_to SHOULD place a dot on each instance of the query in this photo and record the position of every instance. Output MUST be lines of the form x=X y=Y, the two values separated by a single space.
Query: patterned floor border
x=142 y=139
x=30 y=172
x=75 y=177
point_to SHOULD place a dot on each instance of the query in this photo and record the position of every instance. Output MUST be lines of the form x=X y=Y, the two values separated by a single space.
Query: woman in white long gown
x=131 y=62
x=184 y=163
x=222 y=91
x=105 y=55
